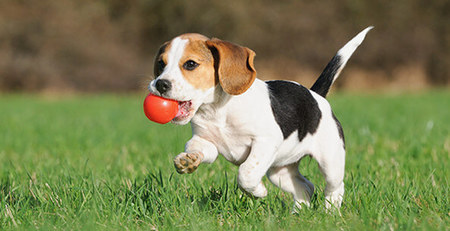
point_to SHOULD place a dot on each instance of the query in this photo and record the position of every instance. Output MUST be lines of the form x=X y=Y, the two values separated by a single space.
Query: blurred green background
x=109 y=45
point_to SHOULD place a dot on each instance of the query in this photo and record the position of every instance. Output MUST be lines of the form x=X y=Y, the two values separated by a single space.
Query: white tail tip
x=347 y=50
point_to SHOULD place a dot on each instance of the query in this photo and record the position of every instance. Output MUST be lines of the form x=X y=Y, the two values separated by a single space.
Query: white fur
x=243 y=129
x=348 y=49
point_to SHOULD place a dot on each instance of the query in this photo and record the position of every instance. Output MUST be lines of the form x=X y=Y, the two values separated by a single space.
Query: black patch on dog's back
x=339 y=127
x=294 y=108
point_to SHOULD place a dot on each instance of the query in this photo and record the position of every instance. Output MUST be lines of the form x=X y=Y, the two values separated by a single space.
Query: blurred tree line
x=108 y=45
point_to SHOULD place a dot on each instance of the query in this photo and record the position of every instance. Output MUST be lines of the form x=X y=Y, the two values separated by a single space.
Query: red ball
x=159 y=109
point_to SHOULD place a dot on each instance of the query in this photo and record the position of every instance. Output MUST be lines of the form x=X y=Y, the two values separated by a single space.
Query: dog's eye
x=190 y=65
x=161 y=65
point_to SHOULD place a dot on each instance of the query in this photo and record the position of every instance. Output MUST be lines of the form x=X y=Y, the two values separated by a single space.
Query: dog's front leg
x=255 y=167
x=197 y=150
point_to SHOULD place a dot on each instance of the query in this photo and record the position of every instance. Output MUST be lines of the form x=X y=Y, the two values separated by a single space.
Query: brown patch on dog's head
x=194 y=37
x=214 y=62
x=196 y=50
x=234 y=66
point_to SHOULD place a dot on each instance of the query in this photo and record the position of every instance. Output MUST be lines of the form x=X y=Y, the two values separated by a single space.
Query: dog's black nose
x=163 y=85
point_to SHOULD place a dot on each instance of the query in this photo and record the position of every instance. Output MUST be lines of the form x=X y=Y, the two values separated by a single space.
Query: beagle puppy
x=264 y=127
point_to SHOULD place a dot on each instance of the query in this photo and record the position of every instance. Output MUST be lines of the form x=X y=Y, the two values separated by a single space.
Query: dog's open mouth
x=184 y=110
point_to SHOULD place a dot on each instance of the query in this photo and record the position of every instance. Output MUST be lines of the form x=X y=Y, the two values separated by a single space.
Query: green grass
x=96 y=162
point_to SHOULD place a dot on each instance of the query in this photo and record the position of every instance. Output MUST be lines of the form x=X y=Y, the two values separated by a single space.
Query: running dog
x=264 y=127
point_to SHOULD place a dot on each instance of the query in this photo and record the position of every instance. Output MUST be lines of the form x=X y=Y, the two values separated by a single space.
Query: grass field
x=96 y=162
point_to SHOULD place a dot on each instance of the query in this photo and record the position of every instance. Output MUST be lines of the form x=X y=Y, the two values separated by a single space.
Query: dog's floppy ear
x=233 y=64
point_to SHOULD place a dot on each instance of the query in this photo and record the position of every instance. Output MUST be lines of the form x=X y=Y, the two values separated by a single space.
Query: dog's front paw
x=187 y=162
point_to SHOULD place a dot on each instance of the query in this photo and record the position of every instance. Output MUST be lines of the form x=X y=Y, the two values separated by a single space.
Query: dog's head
x=191 y=67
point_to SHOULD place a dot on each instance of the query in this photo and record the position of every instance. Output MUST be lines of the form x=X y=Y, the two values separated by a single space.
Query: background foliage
x=108 y=45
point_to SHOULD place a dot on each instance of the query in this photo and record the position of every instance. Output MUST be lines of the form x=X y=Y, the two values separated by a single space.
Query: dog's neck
x=212 y=110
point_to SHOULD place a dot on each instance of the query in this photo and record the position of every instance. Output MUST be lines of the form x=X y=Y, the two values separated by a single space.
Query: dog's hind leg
x=332 y=168
x=289 y=179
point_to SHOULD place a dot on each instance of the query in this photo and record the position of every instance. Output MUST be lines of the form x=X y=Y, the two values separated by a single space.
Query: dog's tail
x=337 y=63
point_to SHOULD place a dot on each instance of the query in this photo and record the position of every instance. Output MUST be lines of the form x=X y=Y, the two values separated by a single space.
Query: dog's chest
x=233 y=143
